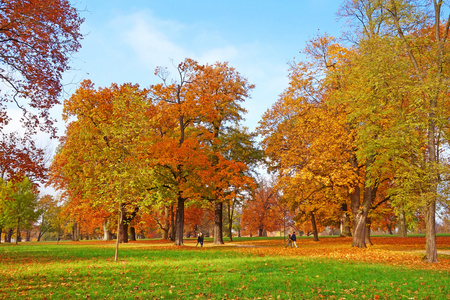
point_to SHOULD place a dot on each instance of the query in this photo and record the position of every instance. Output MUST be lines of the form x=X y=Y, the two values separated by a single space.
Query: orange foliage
x=262 y=212
x=19 y=157
x=37 y=39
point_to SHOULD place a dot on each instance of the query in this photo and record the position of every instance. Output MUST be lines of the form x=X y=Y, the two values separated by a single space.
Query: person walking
x=199 y=239
x=294 y=239
x=289 y=241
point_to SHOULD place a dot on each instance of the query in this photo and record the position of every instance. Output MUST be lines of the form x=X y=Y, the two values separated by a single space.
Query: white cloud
x=145 y=35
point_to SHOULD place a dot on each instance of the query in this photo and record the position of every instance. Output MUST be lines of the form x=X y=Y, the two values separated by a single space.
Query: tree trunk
x=230 y=221
x=359 y=231
x=39 y=236
x=132 y=233
x=1 y=235
x=106 y=232
x=314 y=227
x=359 y=223
x=123 y=234
x=10 y=234
x=218 y=215
x=388 y=226
x=360 y=211
x=360 y=219
x=367 y=235
x=402 y=224
x=166 y=224
x=430 y=221
x=119 y=225
x=17 y=232
x=345 y=225
x=172 y=224
x=28 y=236
x=179 y=221
x=260 y=231
x=430 y=210
x=74 y=231
x=345 y=222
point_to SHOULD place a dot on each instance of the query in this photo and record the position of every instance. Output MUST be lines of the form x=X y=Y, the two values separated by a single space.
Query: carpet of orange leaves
x=389 y=250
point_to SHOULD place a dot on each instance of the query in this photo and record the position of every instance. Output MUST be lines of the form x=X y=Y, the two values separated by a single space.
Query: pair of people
x=292 y=240
x=199 y=239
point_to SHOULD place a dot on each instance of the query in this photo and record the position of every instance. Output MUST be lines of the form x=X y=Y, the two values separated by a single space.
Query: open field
x=248 y=268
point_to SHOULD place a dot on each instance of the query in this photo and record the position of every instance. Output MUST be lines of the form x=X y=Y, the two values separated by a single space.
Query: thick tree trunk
x=8 y=238
x=359 y=229
x=402 y=232
x=430 y=221
x=106 y=232
x=123 y=233
x=359 y=220
x=132 y=233
x=1 y=235
x=218 y=215
x=361 y=211
x=314 y=227
x=179 y=221
x=260 y=231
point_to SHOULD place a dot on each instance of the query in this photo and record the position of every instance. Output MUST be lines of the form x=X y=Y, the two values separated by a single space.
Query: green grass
x=81 y=271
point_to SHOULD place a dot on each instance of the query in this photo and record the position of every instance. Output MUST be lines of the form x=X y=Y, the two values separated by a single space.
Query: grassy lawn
x=245 y=269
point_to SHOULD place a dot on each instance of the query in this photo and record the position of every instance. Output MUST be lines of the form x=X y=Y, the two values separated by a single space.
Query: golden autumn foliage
x=308 y=140
x=367 y=124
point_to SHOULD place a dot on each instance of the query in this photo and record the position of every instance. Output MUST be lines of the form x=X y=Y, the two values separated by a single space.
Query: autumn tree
x=238 y=144
x=401 y=66
x=194 y=110
x=48 y=207
x=178 y=151
x=306 y=140
x=37 y=39
x=315 y=139
x=221 y=90
x=5 y=217
x=103 y=158
x=20 y=206
x=261 y=213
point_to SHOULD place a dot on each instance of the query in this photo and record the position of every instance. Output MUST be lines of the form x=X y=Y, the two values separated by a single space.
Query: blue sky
x=126 y=40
